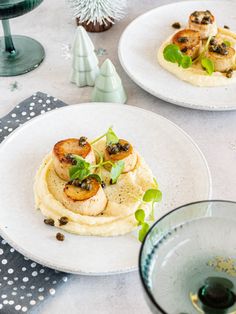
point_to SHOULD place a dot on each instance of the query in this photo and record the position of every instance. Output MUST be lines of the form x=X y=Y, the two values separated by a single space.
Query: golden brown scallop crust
x=202 y=17
x=188 y=41
x=76 y=193
x=70 y=146
x=222 y=62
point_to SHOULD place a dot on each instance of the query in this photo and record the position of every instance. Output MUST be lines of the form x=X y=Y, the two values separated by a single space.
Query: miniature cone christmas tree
x=108 y=85
x=85 y=61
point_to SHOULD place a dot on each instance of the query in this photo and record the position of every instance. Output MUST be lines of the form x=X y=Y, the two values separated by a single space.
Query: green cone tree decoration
x=85 y=62
x=108 y=85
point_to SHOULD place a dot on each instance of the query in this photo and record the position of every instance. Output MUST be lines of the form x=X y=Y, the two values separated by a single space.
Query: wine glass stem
x=9 y=46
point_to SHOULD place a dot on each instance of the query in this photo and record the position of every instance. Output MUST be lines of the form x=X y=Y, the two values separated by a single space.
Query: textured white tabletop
x=214 y=132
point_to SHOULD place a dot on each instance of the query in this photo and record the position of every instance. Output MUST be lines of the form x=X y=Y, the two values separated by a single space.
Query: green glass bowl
x=18 y=54
x=187 y=262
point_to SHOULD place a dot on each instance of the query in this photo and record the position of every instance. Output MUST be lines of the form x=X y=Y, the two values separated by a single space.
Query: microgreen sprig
x=202 y=54
x=140 y=217
x=111 y=137
x=152 y=196
x=116 y=168
x=80 y=170
x=208 y=65
x=83 y=169
x=173 y=54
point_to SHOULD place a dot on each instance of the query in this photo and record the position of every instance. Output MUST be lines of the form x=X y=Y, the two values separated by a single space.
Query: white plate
x=138 y=55
x=176 y=161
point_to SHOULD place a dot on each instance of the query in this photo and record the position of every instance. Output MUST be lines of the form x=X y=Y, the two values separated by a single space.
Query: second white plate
x=138 y=55
x=176 y=161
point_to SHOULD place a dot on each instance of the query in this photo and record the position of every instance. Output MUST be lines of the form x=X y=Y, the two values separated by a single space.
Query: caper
x=49 y=221
x=76 y=183
x=60 y=236
x=82 y=141
x=126 y=147
x=176 y=25
x=229 y=73
x=86 y=185
x=206 y=20
x=63 y=221
x=182 y=39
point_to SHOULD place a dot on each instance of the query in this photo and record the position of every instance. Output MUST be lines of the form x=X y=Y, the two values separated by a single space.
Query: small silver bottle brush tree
x=97 y=15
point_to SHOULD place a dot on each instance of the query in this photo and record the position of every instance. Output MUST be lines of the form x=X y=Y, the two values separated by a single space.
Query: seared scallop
x=85 y=198
x=63 y=151
x=123 y=150
x=204 y=22
x=221 y=55
x=188 y=41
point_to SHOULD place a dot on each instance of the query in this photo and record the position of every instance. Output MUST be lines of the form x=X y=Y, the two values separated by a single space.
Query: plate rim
x=44 y=263
x=156 y=93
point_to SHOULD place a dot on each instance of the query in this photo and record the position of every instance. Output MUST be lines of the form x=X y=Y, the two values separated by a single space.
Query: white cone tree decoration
x=97 y=15
x=108 y=85
x=85 y=62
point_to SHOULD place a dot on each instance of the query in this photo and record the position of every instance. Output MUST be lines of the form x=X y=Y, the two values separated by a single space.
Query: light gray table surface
x=214 y=132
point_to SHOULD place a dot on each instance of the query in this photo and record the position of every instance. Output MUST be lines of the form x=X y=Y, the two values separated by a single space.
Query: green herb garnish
x=150 y=196
x=227 y=43
x=208 y=65
x=96 y=177
x=111 y=137
x=173 y=54
x=116 y=170
x=140 y=217
x=81 y=170
x=143 y=231
x=186 y=62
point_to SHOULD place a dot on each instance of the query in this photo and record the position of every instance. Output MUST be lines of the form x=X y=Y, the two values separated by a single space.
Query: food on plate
x=86 y=197
x=202 y=53
x=188 y=41
x=103 y=188
x=176 y=25
x=221 y=54
x=122 y=150
x=203 y=22
x=63 y=151
x=60 y=236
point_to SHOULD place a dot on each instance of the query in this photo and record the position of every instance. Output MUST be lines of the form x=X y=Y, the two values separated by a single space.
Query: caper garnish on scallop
x=122 y=150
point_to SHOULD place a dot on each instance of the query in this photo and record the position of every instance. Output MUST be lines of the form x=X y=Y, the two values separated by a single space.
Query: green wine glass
x=18 y=54
x=188 y=260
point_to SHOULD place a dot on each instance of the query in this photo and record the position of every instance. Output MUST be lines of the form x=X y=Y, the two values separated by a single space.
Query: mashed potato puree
x=123 y=200
x=195 y=74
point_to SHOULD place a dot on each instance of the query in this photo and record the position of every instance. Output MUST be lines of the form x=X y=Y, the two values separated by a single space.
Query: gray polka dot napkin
x=24 y=284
